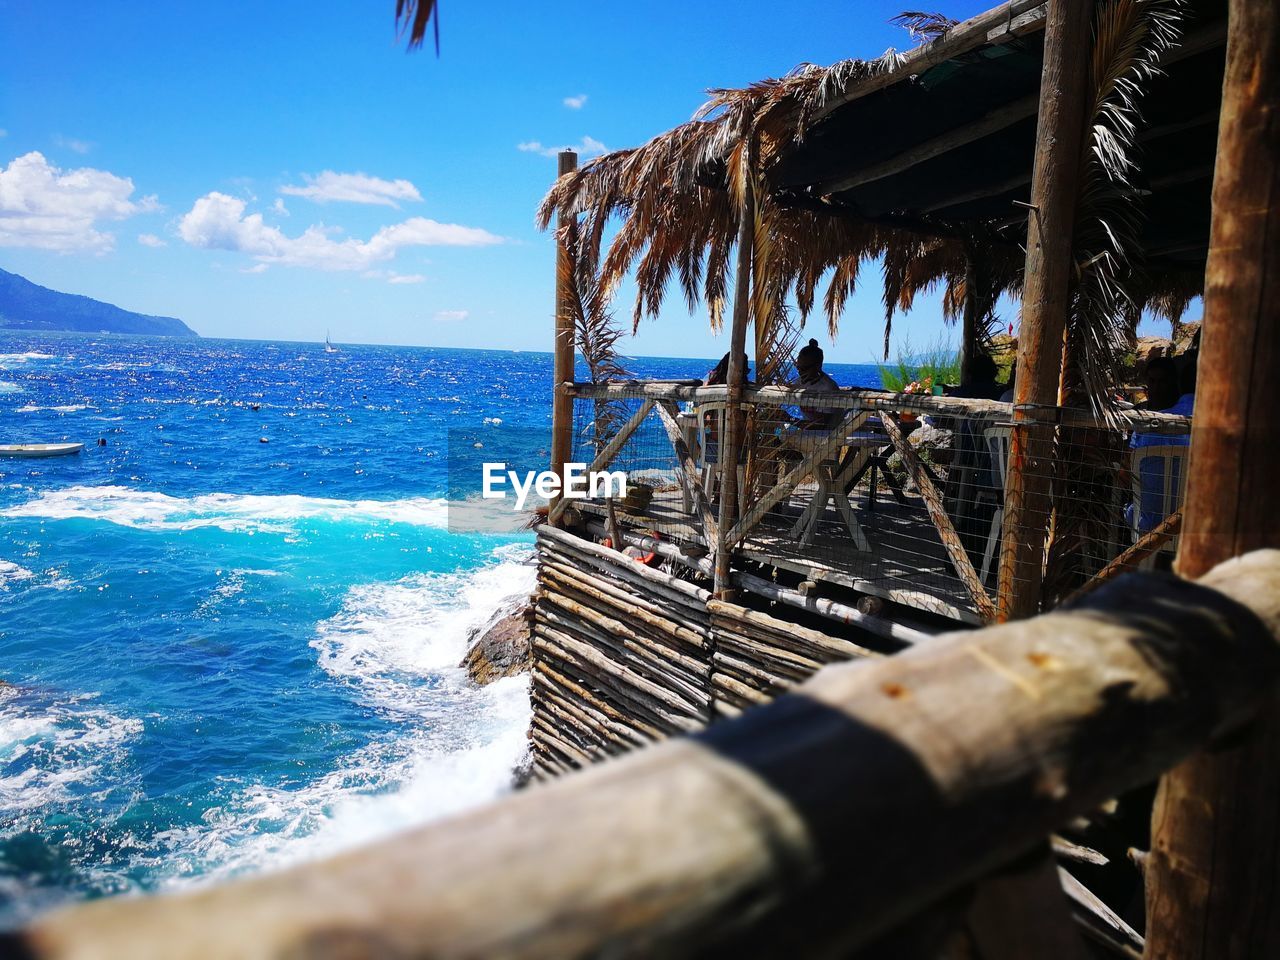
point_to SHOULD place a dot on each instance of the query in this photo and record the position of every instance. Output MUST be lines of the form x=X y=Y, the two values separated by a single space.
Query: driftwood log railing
x=875 y=791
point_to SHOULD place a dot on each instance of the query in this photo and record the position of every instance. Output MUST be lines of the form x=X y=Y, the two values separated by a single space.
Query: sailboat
x=328 y=344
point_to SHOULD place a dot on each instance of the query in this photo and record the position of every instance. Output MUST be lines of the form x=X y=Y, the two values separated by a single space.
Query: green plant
x=939 y=364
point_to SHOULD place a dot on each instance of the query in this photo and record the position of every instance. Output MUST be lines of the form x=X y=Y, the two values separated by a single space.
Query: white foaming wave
x=24 y=357
x=7 y=387
x=386 y=632
x=399 y=645
x=241 y=513
x=247 y=512
x=49 y=750
x=11 y=572
x=64 y=408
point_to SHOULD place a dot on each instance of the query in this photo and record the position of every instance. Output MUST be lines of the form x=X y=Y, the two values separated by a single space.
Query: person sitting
x=719 y=374
x=813 y=379
x=1174 y=393
x=1162 y=384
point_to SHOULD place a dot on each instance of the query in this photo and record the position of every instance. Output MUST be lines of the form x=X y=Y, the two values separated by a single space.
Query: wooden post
x=1213 y=874
x=1050 y=224
x=563 y=363
x=731 y=448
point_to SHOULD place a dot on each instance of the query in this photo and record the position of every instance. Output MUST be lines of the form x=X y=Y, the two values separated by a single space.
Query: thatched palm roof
x=812 y=144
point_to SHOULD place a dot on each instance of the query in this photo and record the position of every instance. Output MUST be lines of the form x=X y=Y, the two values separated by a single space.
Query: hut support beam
x=562 y=365
x=735 y=418
x=1213 y=873
x=1054 y=186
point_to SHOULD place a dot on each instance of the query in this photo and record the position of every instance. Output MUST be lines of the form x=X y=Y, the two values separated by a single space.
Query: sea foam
x=148 y=510
x=398 y=644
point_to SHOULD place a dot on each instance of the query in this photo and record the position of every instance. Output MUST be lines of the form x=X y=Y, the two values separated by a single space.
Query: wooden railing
x=817 y=823
x=872 y=401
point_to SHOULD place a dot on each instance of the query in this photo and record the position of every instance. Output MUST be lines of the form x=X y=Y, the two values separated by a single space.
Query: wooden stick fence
x=873 y=791
x=615 y=640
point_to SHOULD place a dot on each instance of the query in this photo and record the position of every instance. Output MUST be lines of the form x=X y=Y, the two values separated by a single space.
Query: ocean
x=222 y=655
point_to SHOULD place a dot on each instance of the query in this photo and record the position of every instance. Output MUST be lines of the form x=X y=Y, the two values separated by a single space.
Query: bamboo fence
x=625 y=655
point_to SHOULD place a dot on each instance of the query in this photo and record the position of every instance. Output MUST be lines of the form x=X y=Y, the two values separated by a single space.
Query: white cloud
x=256 y=268
x=393 y=277
x=589 y=147
x=218 y=222
x=576 y=103
x=52 y=209
x=70 y=143
x=150 y=240
x=279 y=207
x=450 y=316
x=330 y=187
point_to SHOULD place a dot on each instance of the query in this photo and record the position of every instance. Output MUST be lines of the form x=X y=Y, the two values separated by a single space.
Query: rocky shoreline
x=500 y=648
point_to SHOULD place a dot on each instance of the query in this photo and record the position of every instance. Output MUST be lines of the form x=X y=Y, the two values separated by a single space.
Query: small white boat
x=39 y=449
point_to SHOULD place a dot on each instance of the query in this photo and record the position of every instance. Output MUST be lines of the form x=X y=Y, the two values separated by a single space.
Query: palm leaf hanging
x=415 y=15
x=1110 y=286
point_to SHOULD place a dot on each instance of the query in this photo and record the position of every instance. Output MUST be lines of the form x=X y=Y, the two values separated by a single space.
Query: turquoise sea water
x=224 y=655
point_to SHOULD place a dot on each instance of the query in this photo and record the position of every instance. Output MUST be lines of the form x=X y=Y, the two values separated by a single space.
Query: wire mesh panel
x=657 y=498
x=896 y=496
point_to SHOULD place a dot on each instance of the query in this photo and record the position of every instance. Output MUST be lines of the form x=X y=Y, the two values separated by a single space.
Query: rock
x=932 y=442
x=1184 y=336
x=501 y=647
x=1147 y=349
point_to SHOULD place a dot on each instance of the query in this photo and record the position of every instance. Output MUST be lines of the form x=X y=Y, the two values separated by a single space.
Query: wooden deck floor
x=906 y=563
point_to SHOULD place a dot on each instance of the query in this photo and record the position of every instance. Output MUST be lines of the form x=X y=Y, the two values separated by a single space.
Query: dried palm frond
x=923 y=27
x=1129 y=38
x=1110 y=285
x=415 y=15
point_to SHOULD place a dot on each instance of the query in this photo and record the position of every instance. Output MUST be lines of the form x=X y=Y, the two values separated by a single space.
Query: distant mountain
x=28 y=306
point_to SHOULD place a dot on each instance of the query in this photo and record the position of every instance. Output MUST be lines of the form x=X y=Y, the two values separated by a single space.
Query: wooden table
x=833 y=477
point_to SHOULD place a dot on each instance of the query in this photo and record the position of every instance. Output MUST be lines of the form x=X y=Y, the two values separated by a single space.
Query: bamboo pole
x=563 y=357
x=735 y=425
x=1055 y=182
x=877 y=791
x=1213 y=874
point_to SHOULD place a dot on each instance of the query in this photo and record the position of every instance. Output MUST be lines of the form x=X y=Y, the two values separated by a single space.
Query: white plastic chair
x=712 y=439
x=996 y=440
x=1172 y=458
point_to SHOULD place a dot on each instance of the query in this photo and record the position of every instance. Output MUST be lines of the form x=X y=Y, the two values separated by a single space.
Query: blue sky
x=275 y=170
